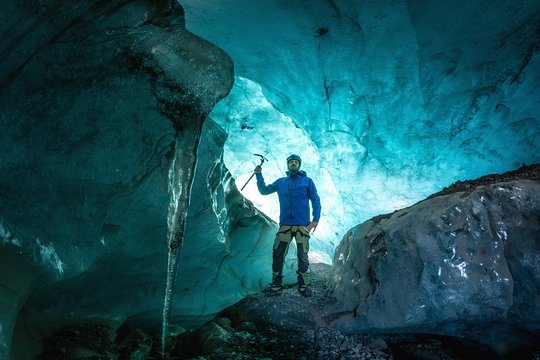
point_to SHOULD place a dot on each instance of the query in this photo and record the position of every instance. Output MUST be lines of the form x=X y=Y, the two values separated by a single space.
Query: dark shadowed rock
x=463 y=264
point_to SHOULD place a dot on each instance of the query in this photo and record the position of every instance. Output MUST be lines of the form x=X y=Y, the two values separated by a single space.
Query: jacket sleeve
x=315 y=201
x=263 y=189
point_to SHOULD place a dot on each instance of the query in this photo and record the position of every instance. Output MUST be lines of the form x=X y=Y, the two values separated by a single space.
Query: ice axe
x=263 y=159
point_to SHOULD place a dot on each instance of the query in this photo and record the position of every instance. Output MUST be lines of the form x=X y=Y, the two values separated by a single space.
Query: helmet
x=294 y=157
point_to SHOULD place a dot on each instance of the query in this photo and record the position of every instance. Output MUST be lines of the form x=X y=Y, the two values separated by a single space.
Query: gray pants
x=284 y=237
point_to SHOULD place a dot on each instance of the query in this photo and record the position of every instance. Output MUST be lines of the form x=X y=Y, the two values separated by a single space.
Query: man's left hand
x=312 y=226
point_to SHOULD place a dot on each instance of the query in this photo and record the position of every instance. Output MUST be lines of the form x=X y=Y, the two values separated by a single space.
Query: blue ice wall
x=386 y=101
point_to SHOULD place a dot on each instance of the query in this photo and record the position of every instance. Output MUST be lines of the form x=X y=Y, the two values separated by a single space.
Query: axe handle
x=251 y=177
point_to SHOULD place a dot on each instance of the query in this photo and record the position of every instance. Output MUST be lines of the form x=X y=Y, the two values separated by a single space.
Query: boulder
x=463 y=263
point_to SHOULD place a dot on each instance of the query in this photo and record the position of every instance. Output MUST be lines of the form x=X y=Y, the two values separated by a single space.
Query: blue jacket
x=294 y=192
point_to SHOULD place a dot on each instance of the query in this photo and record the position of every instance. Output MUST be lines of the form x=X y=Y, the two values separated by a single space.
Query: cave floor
x=288 y=326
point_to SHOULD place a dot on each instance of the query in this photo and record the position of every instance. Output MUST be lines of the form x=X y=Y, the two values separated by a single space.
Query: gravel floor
x=288 y=326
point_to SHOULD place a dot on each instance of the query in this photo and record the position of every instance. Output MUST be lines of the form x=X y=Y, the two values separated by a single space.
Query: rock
x=175 y=330
x=141 y=352
x=463 y=264
x=246 y=326
x=223 y=322
x=80 y=342
x=137 y=345
x=213 y=338
x=377 y=343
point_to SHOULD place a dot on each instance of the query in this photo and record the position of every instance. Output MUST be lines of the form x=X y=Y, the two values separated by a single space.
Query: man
x=294 y=192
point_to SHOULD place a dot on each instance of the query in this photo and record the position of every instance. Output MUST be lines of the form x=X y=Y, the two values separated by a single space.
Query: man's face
x=293 y=165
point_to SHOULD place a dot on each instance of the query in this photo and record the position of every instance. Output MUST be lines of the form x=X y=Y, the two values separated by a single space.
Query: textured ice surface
x=388 y=101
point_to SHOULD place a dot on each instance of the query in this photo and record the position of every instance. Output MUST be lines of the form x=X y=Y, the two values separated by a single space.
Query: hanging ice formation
x=181 y=173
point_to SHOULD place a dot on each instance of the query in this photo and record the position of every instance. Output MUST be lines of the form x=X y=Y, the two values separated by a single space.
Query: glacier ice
x=393 y=102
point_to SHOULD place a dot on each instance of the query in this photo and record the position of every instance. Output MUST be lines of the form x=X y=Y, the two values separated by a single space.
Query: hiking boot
x=275 y=286
x=273 y=290
x=305 y=291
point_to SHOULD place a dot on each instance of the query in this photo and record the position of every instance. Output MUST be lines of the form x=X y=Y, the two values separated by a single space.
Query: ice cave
x=131 y=226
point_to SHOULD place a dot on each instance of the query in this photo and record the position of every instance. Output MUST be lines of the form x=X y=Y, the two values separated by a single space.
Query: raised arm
x=263 y=189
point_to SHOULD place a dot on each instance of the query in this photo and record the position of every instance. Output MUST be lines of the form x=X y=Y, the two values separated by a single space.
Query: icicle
x=181 y=174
